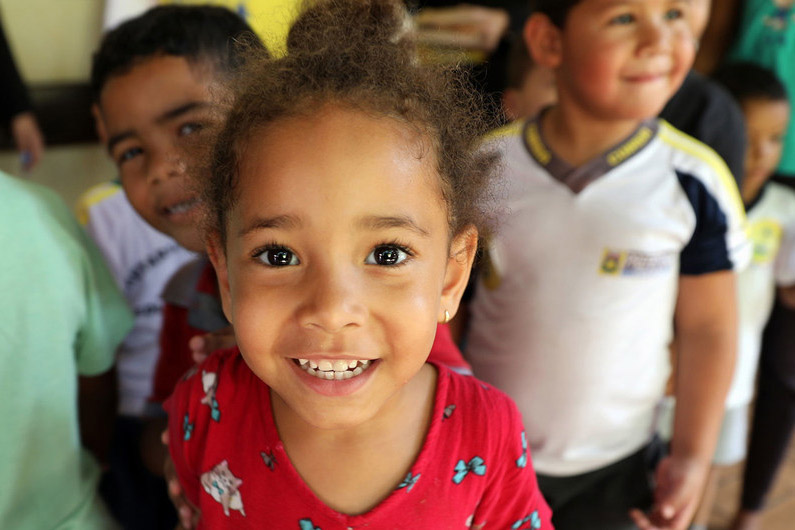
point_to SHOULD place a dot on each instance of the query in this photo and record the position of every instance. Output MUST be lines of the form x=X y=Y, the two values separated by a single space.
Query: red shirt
x=473 y=471
x=176 y=358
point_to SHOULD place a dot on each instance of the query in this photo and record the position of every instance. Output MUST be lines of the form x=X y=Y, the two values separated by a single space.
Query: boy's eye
x=129 y=154
x=620 y=20
x=387 y=255
x=189 y=128
x=277 y=257
x=674 y=14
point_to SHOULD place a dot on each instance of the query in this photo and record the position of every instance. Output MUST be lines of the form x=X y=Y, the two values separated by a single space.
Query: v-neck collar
x=578 y=178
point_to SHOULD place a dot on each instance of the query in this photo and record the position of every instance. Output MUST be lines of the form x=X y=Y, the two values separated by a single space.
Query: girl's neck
x=353 y=469
x=577 y=136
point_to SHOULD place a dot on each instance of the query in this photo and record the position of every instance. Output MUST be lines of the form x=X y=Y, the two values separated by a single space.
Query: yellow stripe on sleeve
x=93 y=196
x=681 y=141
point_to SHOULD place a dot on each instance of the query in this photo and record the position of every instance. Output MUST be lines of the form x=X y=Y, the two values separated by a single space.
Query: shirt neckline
x=578 y=178
x=314 y=504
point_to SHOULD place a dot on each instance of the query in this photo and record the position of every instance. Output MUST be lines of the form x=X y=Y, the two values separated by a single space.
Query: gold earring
x=446 y=316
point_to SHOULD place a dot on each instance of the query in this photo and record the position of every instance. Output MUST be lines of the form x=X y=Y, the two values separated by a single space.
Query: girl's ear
x=544 y=40
x=215 y=251
x=459 y=265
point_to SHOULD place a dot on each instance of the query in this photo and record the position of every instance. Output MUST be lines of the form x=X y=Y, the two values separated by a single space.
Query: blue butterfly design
x=307 y=524
x=215 y=412
x=448 y=411
x=409 y=481
x=187 y=428
x=269 y=459
x=462 y=469
x=522 y=460
x=533 y=519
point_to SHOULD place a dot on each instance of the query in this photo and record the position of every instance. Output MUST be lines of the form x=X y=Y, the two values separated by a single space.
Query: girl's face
x=338 y=256
x=766 y=124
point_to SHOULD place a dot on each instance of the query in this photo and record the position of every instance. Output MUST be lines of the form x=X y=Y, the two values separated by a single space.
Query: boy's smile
x=154 y=118
x=337 y=264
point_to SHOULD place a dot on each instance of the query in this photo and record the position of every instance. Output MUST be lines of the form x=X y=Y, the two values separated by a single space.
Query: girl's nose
x=654 y=36
x=333 y=300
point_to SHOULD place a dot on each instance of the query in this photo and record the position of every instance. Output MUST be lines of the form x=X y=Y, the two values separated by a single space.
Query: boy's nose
x=333 y=300
x=163 y=166
x=655 y=36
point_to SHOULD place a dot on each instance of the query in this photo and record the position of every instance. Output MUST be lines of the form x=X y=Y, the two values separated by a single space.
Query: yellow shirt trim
x=93 y=196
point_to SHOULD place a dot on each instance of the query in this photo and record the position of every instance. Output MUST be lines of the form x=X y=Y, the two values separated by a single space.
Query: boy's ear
x=99 y=124
x=459 y=265
x=544 y=40
x=215 y=251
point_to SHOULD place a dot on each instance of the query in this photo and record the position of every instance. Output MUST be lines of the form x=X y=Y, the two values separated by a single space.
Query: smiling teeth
x=182 y=207
x=334 y=369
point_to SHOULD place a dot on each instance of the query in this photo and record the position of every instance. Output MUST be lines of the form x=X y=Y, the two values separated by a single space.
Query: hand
x=202 y=346
x=680 y=483
x=28 y=139
x=463 y=26
x=188 y=514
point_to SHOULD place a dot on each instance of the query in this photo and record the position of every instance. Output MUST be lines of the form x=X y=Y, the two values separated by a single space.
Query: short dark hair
x=197 y=33
x=556 y=10
x=746 y=81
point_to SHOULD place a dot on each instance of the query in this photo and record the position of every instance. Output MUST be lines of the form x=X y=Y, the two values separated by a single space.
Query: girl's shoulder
x=481 y=402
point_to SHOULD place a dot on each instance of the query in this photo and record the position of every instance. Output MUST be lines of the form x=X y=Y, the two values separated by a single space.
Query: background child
x=618 y=225
x=530 y=87
x=771 y=216
x=62 y=318
x=153 y=80
x=343 y=206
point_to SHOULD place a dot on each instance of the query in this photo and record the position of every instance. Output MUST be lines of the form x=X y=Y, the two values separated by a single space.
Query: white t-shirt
x=141 y=260
x=771 y=228
x=574 y=312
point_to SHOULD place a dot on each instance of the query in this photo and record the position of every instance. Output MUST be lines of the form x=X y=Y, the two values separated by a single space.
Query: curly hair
x=359 y=54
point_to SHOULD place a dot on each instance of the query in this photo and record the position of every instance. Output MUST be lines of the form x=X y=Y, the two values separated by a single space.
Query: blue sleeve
x=718 y=242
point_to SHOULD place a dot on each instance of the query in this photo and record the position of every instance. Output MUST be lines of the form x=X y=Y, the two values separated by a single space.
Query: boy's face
x=152 y=119
x=338 y=252
x=623 y=59
x=766 y=123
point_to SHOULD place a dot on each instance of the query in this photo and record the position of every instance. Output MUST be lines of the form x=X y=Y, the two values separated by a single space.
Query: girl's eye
x=674 y=14
x=278 y=257
x=129 y=154
x=189 y=128
x=387 y=255
x=620 y=20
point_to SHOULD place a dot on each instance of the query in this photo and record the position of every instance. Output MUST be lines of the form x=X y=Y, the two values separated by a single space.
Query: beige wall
x=69 y=170
x=52 y=40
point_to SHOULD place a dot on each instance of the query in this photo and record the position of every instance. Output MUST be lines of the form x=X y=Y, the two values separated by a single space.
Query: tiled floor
x=780 y=513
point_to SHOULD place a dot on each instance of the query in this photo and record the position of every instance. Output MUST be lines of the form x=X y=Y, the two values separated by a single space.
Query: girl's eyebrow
x=375 y=222
x=264 y=223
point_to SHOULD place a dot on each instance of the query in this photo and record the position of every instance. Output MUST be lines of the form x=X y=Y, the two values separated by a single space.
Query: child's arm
x=706 y=329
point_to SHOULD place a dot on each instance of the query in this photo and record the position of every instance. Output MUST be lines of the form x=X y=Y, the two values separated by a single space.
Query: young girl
x=345 y=207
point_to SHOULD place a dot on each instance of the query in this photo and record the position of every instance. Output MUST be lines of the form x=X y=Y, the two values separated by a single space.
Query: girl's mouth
x=334 y=369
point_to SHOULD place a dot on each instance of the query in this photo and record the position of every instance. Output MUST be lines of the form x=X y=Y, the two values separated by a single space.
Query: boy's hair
x=556 y=10
x=358 y=54
x=519 y=63
x=746 y=81
x=197 y=33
